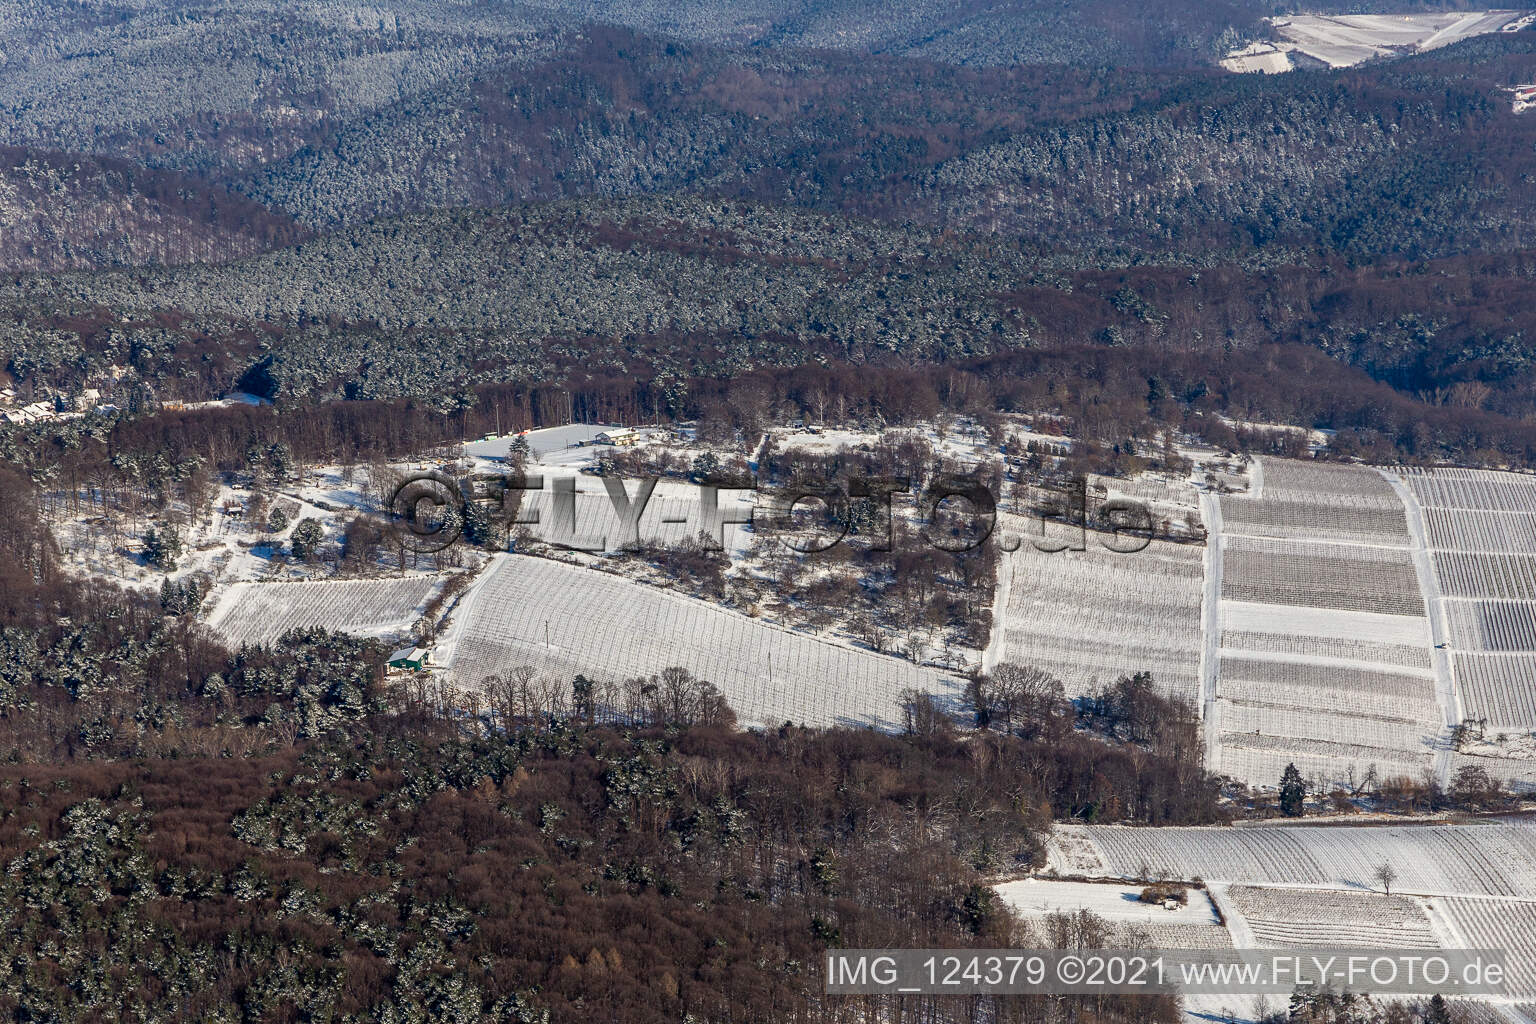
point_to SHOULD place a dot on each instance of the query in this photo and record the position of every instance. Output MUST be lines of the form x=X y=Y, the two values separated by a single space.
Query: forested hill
x=265 y=60
x=608 y=112
x=1421 y=158
x=72 y=212
x=502 y=193
x=644 y=290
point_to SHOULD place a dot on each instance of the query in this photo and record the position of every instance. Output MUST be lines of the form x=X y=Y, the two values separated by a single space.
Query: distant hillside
x=212 y=85
x=338 y=115
x=1154 y=32
x=70 y=212
x=1420 y=158
x=419 y=305
x=613 y=113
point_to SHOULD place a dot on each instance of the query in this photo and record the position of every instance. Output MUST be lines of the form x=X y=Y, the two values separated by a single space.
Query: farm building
x=620 y=436
x=410 y=659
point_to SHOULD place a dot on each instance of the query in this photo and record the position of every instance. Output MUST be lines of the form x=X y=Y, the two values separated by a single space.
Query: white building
x=620 y=436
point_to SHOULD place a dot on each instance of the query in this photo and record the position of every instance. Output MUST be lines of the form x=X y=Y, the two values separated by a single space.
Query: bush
x=1161 y=892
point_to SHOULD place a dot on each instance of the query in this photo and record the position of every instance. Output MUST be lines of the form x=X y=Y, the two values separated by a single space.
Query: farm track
x=1210 y=617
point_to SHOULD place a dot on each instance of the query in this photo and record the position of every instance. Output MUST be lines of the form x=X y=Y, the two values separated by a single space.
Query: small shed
x=410 y=659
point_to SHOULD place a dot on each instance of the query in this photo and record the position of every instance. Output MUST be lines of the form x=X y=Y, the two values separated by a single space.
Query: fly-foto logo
x=953 y=513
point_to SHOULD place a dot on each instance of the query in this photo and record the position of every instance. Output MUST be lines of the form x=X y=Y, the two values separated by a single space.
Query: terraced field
x=1475 y=489
x=1507 y=577
x=1305 y=520
x=1319 y=502
x=1464 y=529
x=1329 y=716
x=255 y=613
x=1319 y=648
x=1498 y=687
x=1320 y=687
x=1262 y=760
x=1162 y=935
x=562 y=620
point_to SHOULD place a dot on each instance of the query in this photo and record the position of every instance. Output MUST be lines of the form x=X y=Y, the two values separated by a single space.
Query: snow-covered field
x=1326 y=649
x=1482 y=533
x=1498 y=924
x=1319 y=502
x=1316 y=575
x=1133 y=924
x=1460 y=860
x=1089 y=617
x=1037 y=897
x=1343 y=40
x=1344 y=639
x=261 y=612
x=1306 y=886
x=1337 y=918
x=1339 y=618
x=563 y=619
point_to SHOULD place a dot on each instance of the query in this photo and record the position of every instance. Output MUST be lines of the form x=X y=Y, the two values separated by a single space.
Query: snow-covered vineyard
x=1460 y=860
x=564 y=619
x=256 y=613
x=1340 y=618
x=1299 y=886
x=1343 y=619
x=1482 y=534
x=1342 y=917
x=1089 y=617
x=1325 y=650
